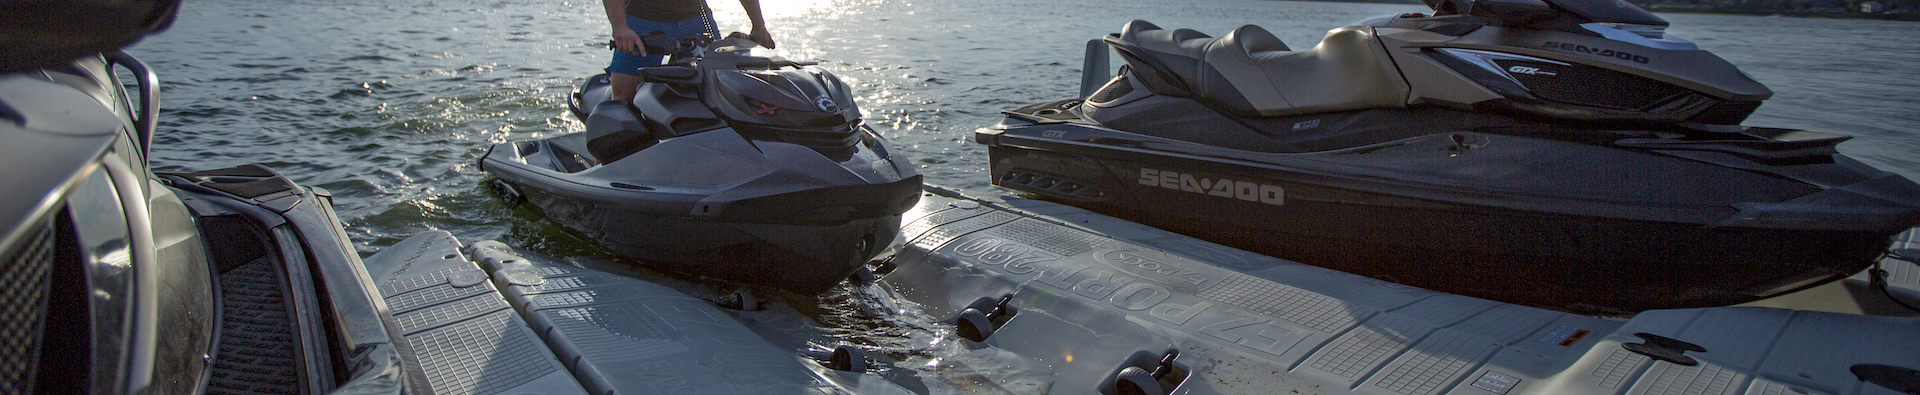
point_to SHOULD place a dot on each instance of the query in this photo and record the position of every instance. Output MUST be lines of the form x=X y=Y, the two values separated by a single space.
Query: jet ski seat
x=1250 y=72
x=614 y=131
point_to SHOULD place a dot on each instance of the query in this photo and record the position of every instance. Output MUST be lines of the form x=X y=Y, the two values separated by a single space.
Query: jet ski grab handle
x=682 y=53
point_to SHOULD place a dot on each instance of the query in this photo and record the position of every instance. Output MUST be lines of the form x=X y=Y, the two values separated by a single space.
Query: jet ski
x=120 y=279
x=1562 y=153
x=728 y=164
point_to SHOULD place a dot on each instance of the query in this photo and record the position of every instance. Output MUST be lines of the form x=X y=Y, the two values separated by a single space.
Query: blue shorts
x=627 y=62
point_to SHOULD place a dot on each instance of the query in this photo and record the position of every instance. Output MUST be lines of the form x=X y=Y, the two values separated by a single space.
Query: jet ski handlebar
x=683 y=54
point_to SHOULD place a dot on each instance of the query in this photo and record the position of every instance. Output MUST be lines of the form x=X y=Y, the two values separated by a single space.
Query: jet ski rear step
x=256 y=350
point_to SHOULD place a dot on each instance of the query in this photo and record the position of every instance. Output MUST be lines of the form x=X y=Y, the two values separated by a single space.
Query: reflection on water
x=389 y=103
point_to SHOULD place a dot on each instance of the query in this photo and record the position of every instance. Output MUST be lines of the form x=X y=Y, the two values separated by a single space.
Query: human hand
x=625 y=39
x=761 y=36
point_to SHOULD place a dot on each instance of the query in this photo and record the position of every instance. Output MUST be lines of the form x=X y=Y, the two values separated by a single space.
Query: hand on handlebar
x=628 y=41
x=762 y=37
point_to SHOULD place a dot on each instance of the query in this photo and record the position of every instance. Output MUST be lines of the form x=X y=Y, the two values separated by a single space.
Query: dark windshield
x=1610 y=11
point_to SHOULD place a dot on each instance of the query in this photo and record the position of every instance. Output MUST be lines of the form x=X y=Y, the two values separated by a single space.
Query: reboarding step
x=1097 y=297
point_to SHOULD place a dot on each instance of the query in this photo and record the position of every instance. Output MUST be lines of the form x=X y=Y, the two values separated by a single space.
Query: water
x=389 y=104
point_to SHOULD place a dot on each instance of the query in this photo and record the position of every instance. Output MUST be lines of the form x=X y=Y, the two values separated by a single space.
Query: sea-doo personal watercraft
x=116 y=279
x=747 y=168
x=1564 y=153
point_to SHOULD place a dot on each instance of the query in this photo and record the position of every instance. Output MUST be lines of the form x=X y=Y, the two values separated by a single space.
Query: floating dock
x=1091 y=296
x=1079 y=303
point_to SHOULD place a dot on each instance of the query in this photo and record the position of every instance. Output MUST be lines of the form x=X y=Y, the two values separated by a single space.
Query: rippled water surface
x=389 y=104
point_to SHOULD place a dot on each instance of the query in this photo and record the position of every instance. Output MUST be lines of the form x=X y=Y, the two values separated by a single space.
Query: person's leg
x=625 y=66
x=625 y=86
x=625 y=81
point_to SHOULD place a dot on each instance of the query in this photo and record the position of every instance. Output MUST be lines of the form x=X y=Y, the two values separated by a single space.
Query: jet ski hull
x=773 y=231
x=725 y=164
x=1413 y=212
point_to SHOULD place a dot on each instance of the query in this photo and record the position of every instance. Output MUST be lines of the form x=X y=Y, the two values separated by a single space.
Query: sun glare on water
x=731 y=17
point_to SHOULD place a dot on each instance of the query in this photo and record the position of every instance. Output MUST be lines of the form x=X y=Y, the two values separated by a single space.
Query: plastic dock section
x=1111 y=304
x=566 y=330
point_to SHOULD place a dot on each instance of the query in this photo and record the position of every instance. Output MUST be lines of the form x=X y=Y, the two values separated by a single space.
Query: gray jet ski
x=731 y=165
x=1562 y=153
x=121 y=280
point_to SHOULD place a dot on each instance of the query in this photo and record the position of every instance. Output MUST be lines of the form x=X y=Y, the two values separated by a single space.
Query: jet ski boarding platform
x=1094 y=297
x=1083 y=304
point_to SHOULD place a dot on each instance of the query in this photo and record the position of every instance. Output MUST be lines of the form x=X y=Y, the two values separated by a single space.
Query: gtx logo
x=1529 y=70
x=1605 y=53
x=1304 y=125
x=1219 y=187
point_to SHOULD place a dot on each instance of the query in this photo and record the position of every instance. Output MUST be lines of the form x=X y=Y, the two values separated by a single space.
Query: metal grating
x=1694 y=380
x=941 y=235
x=1293 y=304
x=559 y=284
x=450 y=312
x=1437 y=362
x=433 y=295
x=1362 y=349
x=485 y=355
x=410 y=284
x=23 y=308
x=1049 y=237
x=554 y=271
x=1615 y=369
x=913 y=230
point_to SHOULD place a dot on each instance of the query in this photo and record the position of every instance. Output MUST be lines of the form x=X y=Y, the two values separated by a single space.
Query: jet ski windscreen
x=1610 y=11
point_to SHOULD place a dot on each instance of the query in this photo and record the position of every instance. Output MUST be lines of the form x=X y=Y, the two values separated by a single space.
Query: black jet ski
x=1564 y=153
x=117 y=279
x=731 y=165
